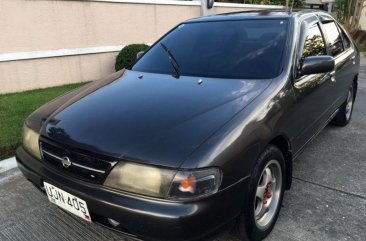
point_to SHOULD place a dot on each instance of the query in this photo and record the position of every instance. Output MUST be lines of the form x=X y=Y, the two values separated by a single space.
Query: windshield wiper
x=172 y=60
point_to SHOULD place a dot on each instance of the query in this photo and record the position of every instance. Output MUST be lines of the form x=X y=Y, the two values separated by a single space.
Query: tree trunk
x=354 y=17
x=357 y=14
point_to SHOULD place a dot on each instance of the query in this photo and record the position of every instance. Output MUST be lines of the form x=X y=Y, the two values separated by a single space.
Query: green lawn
x=14 y=108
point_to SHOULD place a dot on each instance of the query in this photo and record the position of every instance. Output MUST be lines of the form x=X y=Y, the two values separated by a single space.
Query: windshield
x=247 y=49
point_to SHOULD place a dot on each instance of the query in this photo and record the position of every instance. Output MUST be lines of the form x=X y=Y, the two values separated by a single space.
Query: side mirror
x=317 y=64
x=139 y=54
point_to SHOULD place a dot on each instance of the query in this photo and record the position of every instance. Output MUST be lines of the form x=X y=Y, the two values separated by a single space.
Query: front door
x=315 y=94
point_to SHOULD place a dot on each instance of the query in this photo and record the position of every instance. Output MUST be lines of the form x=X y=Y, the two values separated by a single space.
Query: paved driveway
x=327 y=200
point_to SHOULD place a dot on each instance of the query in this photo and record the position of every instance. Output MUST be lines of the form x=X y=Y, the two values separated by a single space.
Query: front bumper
x=141 y=217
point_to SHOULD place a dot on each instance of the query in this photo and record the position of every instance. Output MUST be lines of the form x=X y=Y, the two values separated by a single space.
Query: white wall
x=46 y=43
x=363 y=17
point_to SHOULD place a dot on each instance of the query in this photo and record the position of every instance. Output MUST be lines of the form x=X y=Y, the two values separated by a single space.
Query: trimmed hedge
x=128 y=55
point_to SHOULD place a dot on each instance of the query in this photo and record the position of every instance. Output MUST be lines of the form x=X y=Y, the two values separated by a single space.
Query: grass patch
x=14 y=109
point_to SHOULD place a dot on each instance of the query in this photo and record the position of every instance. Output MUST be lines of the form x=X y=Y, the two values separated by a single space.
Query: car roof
x=256 y=14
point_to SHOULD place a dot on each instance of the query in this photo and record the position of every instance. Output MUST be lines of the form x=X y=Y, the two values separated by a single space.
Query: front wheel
x=265 y=193
x=344 y=114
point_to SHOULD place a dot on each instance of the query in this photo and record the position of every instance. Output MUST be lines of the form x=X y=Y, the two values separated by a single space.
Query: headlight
x=31 y=141
x=194 y=184
x=141 y=179
x=164 y=183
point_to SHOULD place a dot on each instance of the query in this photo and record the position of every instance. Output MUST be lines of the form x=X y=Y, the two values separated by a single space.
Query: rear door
x=340 y=47
x=314 y=93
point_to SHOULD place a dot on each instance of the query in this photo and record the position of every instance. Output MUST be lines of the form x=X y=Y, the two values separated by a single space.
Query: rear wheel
x=263 y=200
x=344 y=114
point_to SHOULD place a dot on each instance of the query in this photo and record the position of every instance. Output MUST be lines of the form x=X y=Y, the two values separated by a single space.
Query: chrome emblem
x=66 y=162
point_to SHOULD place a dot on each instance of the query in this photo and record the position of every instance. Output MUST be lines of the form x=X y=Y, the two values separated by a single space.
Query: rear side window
x=245 y=49
x=334 y=38
x=346 y=41
x=314 y=43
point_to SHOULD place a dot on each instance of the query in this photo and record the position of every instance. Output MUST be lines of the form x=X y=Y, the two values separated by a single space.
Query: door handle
x=332 y=76
x=353 y=58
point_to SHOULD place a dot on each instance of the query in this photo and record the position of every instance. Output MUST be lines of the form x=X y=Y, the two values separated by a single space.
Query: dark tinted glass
x=346 y=41
x=334 y=38
x=314 y=43
x=227 y=49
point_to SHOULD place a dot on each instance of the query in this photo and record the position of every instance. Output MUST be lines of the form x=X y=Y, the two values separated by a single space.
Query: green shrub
x=128 y=55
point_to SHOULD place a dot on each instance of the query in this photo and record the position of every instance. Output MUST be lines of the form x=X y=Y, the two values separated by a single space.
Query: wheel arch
x=283 y=143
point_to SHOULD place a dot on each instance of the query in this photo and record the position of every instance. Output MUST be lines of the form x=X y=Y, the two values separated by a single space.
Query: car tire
x=344 y=114
x=269 y=170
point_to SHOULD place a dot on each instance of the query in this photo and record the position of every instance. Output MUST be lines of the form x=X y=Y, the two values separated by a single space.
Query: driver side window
x=314 y=43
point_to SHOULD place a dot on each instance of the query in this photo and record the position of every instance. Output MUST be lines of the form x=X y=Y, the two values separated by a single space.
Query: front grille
x=75 y=163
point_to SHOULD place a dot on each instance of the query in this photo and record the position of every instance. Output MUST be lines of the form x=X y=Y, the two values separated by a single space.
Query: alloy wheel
x=268 y=194
x=349 y=104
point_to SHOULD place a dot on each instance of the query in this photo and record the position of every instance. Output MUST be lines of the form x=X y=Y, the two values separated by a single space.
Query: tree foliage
x=128 y=55
x=349 y=12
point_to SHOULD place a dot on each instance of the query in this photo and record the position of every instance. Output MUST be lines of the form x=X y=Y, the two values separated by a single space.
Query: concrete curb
x=7 y=164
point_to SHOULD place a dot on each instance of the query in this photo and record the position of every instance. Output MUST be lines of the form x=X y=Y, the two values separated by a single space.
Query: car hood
x=150 y=118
